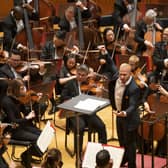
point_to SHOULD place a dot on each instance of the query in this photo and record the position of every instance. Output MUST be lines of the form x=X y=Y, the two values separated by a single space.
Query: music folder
x=83 y=104
x=89 y=161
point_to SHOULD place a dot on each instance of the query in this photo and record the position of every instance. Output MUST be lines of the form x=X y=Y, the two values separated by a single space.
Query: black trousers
x=93 y=122
x=127 y=139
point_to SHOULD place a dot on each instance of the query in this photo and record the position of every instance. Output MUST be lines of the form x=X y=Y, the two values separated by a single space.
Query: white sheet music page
x=45 y=137
x=89 y=104
x=89 y=160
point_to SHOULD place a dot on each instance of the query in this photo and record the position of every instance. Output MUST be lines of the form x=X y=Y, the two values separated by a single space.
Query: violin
x=93 y=85
x=30 y=96
x=140 y=79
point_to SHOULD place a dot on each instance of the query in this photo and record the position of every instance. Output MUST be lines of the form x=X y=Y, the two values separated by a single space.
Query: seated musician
x=33 y=14
x=122 y=8
x=113 y=47
x=12 y=25
x=4 y=135
x=70 y=19
x=142 y=27
x=72 y=89
x=160 y=58
x=54 y=50
x=26 y=130
x=9 y=71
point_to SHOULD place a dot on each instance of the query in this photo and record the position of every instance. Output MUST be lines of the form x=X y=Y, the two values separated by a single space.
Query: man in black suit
x=143 y=26
x=160 y=58
x=12 y=25
x=72 y=89
x=124 y=97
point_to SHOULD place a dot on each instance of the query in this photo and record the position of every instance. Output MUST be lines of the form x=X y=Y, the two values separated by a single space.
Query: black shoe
x=53 y=109
x=26 y=160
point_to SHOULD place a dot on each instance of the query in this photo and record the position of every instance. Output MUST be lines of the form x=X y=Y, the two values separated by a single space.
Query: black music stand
x=75 y=105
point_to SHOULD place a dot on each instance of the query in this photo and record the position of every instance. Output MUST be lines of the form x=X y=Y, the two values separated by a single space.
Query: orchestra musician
x=26 y=130
x=33 y=14
x=4 y=135
x=124 y=97
x=70 y=20
x=143 y=26
x=121 y=8
x=72 y=89
x=54 y=50
x=9 y=71
x=12 y=25
x=160 y=58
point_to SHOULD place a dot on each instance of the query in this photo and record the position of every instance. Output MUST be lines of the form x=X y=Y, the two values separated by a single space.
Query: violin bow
x=115 y=43
x=84 y=59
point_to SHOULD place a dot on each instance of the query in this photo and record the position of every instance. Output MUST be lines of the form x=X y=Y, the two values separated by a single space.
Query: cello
x=131 y=18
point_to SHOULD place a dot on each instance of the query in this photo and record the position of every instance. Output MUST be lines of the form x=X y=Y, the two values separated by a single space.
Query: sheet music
x=92 y=149
x=45 y=137
x=89 y=104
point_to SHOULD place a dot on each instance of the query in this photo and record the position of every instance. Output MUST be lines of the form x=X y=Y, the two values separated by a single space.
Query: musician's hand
x=157 y=25
x=75 y=49
x=126 y=28
x=162 y=90
x=149 y=44
x=30 y=115
x=22 y=47
x=81 y=5
x=102 y=61
x=28 y=7
x=120 y=113
x=147 y=108
x=26 y=78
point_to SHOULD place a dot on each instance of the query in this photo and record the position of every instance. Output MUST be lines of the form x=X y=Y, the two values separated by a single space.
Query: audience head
x=124 y=72
x=53 y=159
x=133 y=62
x=103 y=159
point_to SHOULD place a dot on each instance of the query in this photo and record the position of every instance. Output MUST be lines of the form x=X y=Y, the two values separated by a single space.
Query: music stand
x=78 y=106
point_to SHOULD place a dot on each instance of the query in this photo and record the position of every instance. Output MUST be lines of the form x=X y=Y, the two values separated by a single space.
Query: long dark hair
x=52 y=156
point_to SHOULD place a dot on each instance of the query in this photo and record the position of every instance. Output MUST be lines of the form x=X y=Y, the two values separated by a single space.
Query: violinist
x=72 y=89
x=147 y=24
x=12 y=25
x=8 y=71
x=68 y=71
x=26 y=130
x=113 y=47
x=140 y=78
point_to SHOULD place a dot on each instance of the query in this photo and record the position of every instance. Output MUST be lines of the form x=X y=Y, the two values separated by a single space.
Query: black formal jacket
x=10 y=31
x=6 y=72
x=159 y=55
x=129 y=103
x=70 y=90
